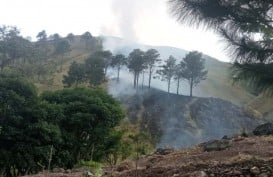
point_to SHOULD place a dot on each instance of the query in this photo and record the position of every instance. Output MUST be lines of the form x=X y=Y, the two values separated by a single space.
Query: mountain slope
x=181 y=121
x=250 y=156
x=218 y=83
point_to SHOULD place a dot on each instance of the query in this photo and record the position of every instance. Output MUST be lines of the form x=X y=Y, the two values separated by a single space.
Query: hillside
x=218 y=83
x=180 y=121
x=250 y=156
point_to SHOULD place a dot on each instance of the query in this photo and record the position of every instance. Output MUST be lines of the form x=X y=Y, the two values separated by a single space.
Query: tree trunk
x=134 y=80
x=191 y=86
x=178 y=83
x=105 y=72
x=142 y=80
x=150 y=77
x=169 y=85
x=137 y=79
x=118 y=74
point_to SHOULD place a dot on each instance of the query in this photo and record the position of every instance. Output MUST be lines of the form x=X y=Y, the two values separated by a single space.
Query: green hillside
x=218 y=83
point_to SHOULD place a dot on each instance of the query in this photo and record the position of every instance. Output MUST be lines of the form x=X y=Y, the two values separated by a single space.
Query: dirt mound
x=246 y=156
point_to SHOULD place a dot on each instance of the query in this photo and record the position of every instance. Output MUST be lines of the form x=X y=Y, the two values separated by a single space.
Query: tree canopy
x=73 y=124
x=194 y=70
x=245 y=25
x=168 y=70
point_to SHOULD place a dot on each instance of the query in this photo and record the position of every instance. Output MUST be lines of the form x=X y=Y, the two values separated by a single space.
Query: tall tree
x=194 y=70
x=94 y=70
x=86 y=37
x=13 y=47
x=62 y=47
x=27 y=128
x=42 y=36
x=168 y=70
x=151 y=57
x=76 y=75
x=136 y=64
x=89 y=117
x=246 y=26
x=106 y=57
x=179 y=74
x=70 y=37
x=118 y=61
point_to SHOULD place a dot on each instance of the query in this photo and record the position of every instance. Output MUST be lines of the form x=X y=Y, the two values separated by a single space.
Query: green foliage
x=94 y=70
x=42 y=36
x=76 y=75
x=179 y=74
x=168 y=70
x=118 y=61
x=77 y=124
x=62 y=47
x=246 y=26
x=89 y=116
x=256 y=77
x=106 y=57
x=87 y=37
x=151 y=57
x=70 y=37
x=136 y=64
x=194 y=70
x=27 y=128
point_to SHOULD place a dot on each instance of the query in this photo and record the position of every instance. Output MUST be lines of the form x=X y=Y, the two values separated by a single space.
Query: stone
x=88 y=174
x=58 y=170
x=255 y=170
x=264 y=129
x=162 y=151
x=263 y=175
x=199 y=174
x=216 y=145
x=67 y=171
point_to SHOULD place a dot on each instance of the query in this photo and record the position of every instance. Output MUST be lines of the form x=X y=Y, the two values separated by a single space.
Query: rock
x=216 y=145
x=264 y=129
x=255 y=170
x=58 y=170
x=226 y=137
x=67 y=171
x=263 y=175
x=161 y=151
x=237 y=172
x=199 y=174
x=88 y=174
x=126 y=165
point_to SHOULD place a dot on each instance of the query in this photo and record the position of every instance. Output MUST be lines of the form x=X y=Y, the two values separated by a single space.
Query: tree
x=136 y=64
x=62 y=47
x=247 y=28
x=56 y=37
x=94 y=70
x=168 y=71
x=27 y=128
x=76 y=75
x=117 y=62
x=106 y=57
x=86 y=37
x=89 y=118
x=194 y=69
x=70 y=37
x=151 y=57
x=179 y=74
x=42 y=36
x=13 y=47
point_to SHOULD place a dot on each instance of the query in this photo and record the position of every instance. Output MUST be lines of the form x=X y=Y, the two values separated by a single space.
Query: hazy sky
x=145 y=21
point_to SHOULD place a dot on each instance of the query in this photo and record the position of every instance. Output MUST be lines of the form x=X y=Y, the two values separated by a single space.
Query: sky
x=145 y=21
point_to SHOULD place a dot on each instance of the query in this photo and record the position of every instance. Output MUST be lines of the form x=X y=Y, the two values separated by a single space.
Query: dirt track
x=246 y=157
